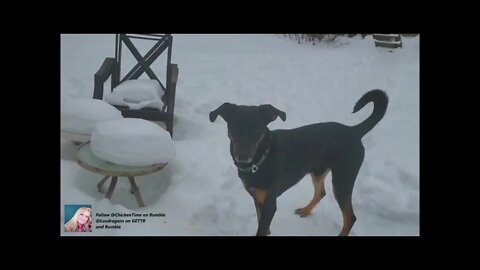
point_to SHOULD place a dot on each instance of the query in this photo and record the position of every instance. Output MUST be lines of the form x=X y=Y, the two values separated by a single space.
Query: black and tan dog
x=270 y=162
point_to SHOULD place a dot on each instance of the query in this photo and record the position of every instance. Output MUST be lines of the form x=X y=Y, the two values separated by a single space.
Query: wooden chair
x=112 y=66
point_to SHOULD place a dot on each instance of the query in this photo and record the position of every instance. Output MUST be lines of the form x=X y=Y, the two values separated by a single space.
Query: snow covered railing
x=387 y=37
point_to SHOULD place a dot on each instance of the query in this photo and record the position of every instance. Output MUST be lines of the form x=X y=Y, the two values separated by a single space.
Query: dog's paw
x=260 y=234
x=303 y=212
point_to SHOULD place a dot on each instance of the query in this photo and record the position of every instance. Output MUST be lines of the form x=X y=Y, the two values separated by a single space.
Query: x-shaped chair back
x=163 y=42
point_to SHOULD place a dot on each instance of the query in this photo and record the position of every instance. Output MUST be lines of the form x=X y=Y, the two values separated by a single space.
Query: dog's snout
x=243 y=154
x=243 y=159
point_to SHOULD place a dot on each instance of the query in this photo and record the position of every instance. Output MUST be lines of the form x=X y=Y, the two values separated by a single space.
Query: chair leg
x=169 y=124
x=111 y=187
x=134 y=187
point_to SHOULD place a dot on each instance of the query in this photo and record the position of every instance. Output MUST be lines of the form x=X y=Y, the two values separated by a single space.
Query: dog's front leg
x=267 y=211
x=259 y=214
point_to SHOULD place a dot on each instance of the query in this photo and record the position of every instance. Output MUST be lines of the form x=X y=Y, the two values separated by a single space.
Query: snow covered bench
x=387 y=40
x=78 y=117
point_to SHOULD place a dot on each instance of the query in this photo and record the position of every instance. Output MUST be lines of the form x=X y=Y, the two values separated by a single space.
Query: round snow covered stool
x=79 y=117
x=89 y=161
x=126 y=147
x=132 y=142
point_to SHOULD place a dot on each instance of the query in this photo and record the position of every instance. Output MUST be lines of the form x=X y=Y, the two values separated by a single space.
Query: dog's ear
x=224 y=111
x=271 y=113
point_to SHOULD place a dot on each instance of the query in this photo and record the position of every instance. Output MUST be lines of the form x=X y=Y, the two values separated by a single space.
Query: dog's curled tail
x=380 y=102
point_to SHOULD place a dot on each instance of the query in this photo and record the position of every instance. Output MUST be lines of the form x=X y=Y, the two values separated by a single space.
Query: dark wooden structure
x=112 y=67
x=387 y=40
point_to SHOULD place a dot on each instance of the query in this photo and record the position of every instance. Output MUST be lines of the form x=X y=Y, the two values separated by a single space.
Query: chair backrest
x=162 y=43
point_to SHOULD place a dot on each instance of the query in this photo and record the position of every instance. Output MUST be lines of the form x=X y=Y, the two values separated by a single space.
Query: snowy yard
x=199 y=191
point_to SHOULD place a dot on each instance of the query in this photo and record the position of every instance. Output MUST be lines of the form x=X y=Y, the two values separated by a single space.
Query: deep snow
x=200 y=193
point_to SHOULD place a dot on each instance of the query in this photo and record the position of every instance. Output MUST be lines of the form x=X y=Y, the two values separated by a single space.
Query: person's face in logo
x=83 y=217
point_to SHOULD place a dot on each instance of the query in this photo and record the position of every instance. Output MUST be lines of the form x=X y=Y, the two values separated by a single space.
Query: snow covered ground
x=200 y=193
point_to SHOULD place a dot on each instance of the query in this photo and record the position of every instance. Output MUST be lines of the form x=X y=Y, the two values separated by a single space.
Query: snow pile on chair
x=137 y=94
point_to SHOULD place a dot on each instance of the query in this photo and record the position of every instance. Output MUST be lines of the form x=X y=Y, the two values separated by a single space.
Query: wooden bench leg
x=111 y=187
x=170 y=127
x=100 y=184
x=134 y=187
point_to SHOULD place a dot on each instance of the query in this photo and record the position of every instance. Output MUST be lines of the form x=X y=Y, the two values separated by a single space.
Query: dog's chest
x=260 y=179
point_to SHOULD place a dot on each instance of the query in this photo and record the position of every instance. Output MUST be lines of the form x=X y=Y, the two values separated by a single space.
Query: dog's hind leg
x=318 y=194
x=343 y=180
